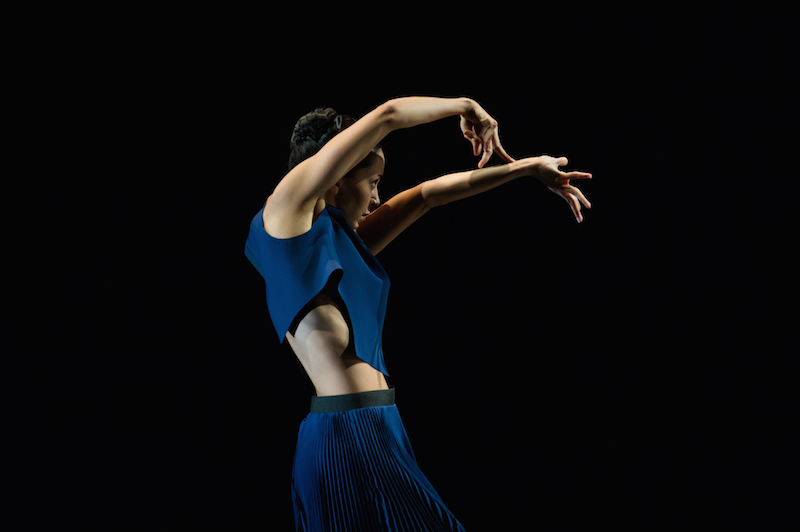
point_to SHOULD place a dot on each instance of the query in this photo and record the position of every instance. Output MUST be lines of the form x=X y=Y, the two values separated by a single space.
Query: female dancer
x=315 y=242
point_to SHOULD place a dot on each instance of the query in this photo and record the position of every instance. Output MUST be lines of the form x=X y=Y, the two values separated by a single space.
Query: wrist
x=468 y=105
x=528 y=166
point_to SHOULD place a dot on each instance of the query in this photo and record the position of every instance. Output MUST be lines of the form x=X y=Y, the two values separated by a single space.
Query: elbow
x=431 y=196
x=387 y=114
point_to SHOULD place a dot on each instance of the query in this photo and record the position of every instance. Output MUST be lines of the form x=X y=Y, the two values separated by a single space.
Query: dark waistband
x=351 y=401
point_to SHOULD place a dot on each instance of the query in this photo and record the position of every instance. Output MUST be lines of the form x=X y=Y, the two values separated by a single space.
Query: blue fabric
x=355 y=470
x=297 y=269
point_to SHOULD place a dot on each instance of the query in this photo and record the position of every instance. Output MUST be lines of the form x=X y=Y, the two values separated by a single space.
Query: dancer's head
x=357 y=193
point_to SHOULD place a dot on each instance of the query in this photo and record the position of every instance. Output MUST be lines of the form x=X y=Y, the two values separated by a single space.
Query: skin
x=357 y=194
x=322 y=340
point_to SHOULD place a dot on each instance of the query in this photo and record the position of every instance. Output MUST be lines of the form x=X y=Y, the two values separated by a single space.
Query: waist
x=351 y=401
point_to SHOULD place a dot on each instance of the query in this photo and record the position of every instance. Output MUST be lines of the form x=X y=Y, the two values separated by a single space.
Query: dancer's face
x=358 y=195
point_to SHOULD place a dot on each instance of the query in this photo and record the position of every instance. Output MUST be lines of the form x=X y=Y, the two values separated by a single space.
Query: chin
x=357 y=222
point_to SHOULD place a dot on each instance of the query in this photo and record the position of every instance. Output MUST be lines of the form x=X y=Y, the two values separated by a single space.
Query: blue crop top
x=297 y=269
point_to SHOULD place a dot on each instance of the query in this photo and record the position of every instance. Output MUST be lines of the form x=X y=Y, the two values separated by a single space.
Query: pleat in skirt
x=354 y=470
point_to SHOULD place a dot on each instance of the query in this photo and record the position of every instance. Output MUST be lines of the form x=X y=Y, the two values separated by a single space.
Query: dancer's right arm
x=289 y=210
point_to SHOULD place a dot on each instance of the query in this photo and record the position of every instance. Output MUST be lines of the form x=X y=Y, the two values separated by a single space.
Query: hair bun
x=313 y=126
x=313 y=130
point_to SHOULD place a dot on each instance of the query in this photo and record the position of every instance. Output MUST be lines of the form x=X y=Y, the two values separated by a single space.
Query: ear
x=336 y=188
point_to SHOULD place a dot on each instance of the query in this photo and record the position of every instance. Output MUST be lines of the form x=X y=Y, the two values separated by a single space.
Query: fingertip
x=577 y=175
x=504 y=155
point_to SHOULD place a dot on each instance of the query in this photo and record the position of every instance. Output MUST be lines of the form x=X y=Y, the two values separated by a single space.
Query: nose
x=375 y=199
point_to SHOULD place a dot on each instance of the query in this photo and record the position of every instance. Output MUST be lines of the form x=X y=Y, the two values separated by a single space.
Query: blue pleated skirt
x=354 y=470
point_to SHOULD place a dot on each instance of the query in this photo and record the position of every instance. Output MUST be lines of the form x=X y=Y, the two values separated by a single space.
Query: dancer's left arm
x=398 y=213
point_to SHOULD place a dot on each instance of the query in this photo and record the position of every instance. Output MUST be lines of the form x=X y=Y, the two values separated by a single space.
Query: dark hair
x=314 y=130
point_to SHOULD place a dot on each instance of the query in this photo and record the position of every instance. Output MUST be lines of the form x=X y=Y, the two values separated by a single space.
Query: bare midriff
x=323 y=344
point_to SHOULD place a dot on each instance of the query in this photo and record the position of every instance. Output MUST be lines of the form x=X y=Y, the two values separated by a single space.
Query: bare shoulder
x=282 y=219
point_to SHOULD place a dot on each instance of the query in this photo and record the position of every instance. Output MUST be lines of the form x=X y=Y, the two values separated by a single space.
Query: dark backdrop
x=619 y=371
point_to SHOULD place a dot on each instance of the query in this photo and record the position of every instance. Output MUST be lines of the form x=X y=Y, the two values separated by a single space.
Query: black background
x=623 y=371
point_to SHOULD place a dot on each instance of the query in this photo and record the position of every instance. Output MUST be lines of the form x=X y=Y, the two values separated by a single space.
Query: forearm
x=417 y=110
x=453 y=187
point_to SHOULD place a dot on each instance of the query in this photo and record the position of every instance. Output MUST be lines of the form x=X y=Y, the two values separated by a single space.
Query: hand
x=482 y=132
x=558 y=181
